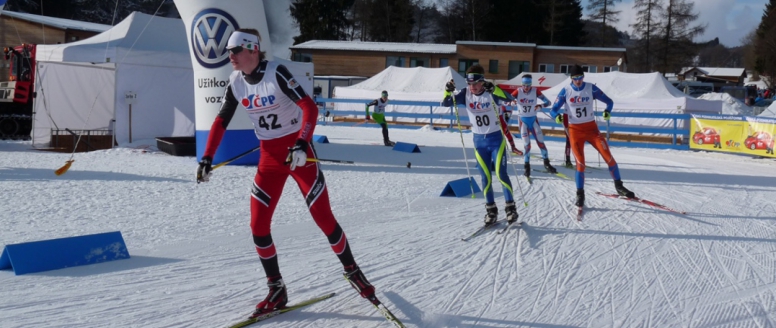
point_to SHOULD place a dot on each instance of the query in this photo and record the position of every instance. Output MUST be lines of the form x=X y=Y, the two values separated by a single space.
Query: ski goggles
x=236 y=50
x=473 y=78
x=527 y=81
x=578 y=77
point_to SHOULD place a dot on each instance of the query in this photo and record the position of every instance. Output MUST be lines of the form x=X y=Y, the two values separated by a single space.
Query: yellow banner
x=733 y=134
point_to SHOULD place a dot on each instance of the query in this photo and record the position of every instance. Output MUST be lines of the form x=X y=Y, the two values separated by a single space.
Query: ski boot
x=276 y=299
x=568 y=163
x=511 y=211
x=389 y=143
x=580 y=197
x=357 y=279
x=527 y=170
x=492 y=215
x=622 y=191
x=549 y=167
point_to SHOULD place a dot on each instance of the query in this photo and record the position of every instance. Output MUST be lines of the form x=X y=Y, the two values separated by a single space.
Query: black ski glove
x=450 y=86
x=204 y=169
x=489 y=87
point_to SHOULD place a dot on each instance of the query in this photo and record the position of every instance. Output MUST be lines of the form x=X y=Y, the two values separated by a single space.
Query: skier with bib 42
x=526 y=99
x=284 y=124
x=577 y=100
x=488 y=128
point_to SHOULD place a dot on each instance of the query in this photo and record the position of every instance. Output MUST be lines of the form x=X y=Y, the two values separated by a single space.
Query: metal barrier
x=449 y=119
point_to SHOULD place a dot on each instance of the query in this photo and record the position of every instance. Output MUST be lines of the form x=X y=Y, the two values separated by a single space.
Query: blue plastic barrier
x=62 y=253
x=320 y=138
x=406 y=147
x=460 y=188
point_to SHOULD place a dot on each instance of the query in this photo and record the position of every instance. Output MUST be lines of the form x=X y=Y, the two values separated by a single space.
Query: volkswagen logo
x=210 y=30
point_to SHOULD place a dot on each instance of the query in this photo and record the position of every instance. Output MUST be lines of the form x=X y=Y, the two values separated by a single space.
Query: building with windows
x=17 y=28
x=501 y=60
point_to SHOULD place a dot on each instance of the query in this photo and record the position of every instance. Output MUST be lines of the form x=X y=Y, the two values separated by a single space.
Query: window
x=464 y=64
x=546 y=68
x=493 y=66
x=302 y=57
x=517 y=67
x=564 y=69
x=443 y=62
x=394 y=61
x=592 y=69
x=611 y=69
x=419 y=62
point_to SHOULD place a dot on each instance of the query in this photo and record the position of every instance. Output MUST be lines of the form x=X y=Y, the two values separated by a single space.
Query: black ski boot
x=568 y=163
x=527 y=168
x=492 y=215
x=549 y=167
x=276 y=299
x=511 y=211
x=580 y=197
x=389 y=143
x=622 y=191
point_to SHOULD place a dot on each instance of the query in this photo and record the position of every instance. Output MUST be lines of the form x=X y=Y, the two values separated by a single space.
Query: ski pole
x=329 y=160
x=463 y=146
x=235 y=158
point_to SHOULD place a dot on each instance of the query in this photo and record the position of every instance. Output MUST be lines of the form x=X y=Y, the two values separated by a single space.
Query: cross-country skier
x=526 y=99
x=489 y=144
x=379 y=115
x=577 y=100
x=283 y=120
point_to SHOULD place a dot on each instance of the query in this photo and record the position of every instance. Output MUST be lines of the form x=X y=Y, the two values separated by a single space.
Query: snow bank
x=730 y=105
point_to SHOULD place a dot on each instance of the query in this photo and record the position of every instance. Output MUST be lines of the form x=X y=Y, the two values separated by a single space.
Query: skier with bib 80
x=526 y=99
x=488 y=128
x=284 y=122
x=379 y=115
x=577 y=100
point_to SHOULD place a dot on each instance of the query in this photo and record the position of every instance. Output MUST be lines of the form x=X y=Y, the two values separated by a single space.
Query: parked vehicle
x=741 y=93
x=16 y=95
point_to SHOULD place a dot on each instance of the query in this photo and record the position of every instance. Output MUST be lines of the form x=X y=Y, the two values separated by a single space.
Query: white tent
x=642 y=93
x=84 y=85
x=411 y=84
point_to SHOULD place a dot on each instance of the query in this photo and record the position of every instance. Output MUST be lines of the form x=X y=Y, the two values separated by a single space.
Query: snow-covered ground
x=193 y=263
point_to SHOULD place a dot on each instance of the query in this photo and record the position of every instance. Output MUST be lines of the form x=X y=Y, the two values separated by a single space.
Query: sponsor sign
x=735 y=134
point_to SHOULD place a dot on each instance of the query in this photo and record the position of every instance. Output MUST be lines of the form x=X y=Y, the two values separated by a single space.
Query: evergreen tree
x=645 y=29
x=321 y=19
x=675 y=46
x=765 y=43
x=603 y=12
x=563 y=22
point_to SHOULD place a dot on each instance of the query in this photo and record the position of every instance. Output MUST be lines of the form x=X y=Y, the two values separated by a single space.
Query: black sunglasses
x=236 y=50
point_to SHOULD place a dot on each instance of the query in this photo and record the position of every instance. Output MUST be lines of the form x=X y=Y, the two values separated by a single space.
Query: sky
x=193 y=263
x=739 y=16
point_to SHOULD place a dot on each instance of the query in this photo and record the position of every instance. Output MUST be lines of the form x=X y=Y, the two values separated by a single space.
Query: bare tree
x=646 y=27
x=676 y=47
x=603 y=11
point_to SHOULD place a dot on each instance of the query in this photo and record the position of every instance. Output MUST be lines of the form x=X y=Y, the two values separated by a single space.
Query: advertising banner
x=748 y=135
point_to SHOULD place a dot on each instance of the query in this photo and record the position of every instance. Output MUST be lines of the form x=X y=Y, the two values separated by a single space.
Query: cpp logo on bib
x=210 y=31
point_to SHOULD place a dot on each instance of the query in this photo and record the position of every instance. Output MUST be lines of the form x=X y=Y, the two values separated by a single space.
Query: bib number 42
x=269 y=122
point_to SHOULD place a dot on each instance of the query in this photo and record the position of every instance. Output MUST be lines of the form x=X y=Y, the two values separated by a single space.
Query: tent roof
x=642 y=92
x=539 y=79
x=65 y=24
x=411 y=80
x=138 y=39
